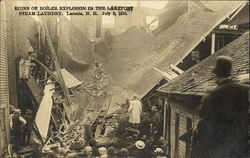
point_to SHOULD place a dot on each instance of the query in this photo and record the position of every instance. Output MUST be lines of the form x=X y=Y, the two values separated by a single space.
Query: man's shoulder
x=245 y=86
x=231 y=85
x=229 y=88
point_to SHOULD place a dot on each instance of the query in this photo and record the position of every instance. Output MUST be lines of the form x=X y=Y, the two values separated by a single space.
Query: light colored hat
x=17 y=111
x=158 y=150
x=87 y=150
x=102 y=150
x=140 y=144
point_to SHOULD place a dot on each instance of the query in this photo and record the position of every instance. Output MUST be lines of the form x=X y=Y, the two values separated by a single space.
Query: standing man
x=135 y=110
x=16 y=124
x=122 y=119
x=27 y=130
x=222 y=131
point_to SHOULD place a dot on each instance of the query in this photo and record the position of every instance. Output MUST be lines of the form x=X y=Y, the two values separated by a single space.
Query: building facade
x=185 y=92
x=4 y=92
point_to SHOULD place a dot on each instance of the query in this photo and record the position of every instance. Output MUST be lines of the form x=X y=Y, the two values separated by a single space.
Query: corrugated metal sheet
x=4 y=98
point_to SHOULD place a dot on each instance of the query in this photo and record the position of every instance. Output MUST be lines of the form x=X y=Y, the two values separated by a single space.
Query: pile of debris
x=54 y=112
x=101 y=81
x=92 y=90
x=68 y=136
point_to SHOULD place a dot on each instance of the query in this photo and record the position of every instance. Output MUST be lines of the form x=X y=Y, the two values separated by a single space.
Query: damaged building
x=76 y=75
x=184 y=93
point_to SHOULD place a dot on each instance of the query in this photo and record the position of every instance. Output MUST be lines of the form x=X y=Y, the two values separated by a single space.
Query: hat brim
x=140 y=147
x=215 y=71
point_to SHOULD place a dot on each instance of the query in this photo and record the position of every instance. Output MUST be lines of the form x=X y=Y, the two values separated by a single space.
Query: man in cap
x=103 y=152
x=140 y=149
x=222 y=129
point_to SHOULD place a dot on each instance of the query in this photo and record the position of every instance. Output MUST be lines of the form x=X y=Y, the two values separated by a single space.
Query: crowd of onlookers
x=138 y=151
x=148 y=120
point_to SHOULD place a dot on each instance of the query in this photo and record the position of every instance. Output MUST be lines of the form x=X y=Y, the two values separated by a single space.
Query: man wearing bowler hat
x=223 y=127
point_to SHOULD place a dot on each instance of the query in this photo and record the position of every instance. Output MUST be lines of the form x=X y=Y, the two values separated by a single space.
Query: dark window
x=219 y=42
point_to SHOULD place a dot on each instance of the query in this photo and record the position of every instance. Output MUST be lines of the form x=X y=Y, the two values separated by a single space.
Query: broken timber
x=102 y=116
x=49 y=71
x=56 y=62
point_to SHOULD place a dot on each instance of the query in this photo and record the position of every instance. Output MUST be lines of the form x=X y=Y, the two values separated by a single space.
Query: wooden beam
x=47 y=70
x=164 y=74
x=238 y=11
x=176 y=68
x=234 y=32
x=213 y=43
x=164 y=119
x=56 y=62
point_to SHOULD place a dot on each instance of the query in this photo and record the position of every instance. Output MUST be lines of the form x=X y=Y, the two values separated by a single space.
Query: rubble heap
x=68 y=136
x=101 y=81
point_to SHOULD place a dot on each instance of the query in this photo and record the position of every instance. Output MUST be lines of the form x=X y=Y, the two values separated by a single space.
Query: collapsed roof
x=134 y=55
x=199 y=79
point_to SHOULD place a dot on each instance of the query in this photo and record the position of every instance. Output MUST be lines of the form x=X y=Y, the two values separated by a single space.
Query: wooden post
x=213 y=43
x=164 y=119
x=56 y=62
x=169 y=126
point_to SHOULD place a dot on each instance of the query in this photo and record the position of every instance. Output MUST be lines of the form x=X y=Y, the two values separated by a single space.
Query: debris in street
x=68 y=135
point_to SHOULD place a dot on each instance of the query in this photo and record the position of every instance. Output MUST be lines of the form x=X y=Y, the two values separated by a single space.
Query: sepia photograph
x=124 y=79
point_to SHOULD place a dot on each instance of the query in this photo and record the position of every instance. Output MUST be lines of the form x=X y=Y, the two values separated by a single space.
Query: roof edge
x=207 y=33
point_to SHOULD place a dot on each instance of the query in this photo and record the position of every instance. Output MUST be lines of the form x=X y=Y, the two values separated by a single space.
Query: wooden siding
x=182 y=128
x=172 y=131
x=4 y=98
x=182 y=145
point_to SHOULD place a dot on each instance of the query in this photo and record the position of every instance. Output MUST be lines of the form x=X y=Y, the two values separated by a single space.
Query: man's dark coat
x=223 y=127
